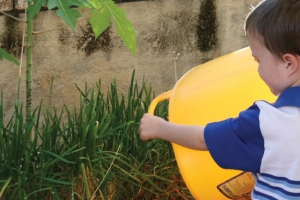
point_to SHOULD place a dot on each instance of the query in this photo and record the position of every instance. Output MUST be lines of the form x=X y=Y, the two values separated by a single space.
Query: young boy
x=265 y=138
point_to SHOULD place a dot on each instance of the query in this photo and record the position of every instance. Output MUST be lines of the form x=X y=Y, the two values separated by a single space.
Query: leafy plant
x=93 y=152
x=8 y=56
x=101 y=13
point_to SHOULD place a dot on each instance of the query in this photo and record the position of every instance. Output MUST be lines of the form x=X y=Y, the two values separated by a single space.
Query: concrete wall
x=164 y=28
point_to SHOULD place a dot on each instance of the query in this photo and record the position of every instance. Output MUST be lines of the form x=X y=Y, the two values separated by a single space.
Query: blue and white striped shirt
x=264 y=139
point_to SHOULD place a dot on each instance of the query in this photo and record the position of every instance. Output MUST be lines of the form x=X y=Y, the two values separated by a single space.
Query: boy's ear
x=292 y=62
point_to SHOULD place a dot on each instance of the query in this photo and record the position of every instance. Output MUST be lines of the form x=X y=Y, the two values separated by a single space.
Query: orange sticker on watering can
x=238 y=187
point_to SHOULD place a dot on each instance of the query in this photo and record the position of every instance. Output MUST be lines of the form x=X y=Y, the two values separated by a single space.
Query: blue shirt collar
x=289 y=97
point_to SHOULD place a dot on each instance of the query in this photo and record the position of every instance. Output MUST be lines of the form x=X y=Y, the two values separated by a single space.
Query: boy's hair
x=276 y=23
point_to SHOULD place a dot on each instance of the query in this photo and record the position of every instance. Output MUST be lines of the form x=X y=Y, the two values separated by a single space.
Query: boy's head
x=273 y=33
x=276 y=24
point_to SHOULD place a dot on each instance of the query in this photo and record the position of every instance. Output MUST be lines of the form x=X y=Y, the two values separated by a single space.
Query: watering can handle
x=155 y=101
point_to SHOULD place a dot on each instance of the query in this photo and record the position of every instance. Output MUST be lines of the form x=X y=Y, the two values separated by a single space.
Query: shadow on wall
x=207 y=26
x=11 y=40
x=85 y=39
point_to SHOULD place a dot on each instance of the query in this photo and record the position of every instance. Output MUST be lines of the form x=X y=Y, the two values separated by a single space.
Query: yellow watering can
x=214 y=91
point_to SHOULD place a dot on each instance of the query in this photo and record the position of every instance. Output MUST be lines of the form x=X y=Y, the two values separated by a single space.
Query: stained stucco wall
x=164 y=28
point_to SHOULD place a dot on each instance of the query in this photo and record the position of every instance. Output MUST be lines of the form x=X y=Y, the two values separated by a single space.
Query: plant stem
x=107 y=172
x=5 y=186
x=86 y=185
x=65 y=26
x=175 y=67
x=175 y=70
x=21 y=61
x=29 y=71
x=18 y=19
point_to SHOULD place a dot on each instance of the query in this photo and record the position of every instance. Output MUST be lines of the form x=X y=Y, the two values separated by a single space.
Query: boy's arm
x=188 y=136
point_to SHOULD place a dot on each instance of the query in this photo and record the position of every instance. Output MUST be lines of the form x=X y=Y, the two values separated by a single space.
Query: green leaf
x=8 y=56
x=5 y=186
x=59 y=157
x=124 y=28
x=64 y=11
x=85 y=4
x=100 y=20
x=98 y=3
x=34 y=6
x=56 y=181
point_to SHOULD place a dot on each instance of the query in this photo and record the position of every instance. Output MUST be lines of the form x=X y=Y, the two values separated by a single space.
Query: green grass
x=90 y=152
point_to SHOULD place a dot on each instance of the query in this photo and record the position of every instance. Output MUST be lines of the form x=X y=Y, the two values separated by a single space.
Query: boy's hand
x=150 y=126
